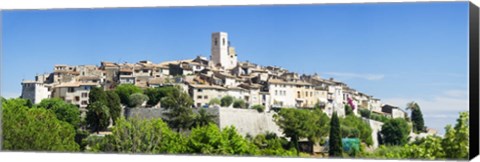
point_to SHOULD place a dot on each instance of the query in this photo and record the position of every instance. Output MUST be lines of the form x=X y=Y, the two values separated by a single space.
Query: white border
x=64 y=4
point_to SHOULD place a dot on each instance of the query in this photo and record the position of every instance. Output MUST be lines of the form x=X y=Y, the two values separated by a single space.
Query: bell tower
x=221 y=52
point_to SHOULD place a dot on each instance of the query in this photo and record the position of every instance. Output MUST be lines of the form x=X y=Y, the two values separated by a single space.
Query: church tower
x=222 y=53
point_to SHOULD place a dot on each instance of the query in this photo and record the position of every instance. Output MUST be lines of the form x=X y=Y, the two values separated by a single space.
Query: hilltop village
x=205 y=79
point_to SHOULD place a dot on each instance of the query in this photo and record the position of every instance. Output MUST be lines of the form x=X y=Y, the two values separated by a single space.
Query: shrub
x=214 y=101
x=226 y=101
x=259 y=108
x=239 y=104
x=365 y=113
x=137 y=99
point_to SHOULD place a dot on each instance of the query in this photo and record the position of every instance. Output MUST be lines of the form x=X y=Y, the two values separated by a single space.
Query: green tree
x=355 y=127
x=239 y=103
x=348 y=110
x=179 y=109
x=151 y=136
x=156 y=94
x=98 y=116
x=64 y=111
x=114 y=105
x=395 y=132
x=335 y=139
x=226 y=101
x=203 y=118
x=34 y=129
x=210 y=140
x=214 y=101
x=235 y=144
x=271 y=145
x=417 y=117
x=456 y=139
x=365 y=113
x=97 y=94
x=125 y=90
x=297 y=123
x=206 y=140
x=259 y=108
x=137 y=99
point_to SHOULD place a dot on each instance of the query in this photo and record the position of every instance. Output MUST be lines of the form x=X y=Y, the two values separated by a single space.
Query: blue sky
x=398 y=52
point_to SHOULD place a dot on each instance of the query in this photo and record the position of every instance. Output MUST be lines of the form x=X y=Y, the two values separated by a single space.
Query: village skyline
x=394 y=76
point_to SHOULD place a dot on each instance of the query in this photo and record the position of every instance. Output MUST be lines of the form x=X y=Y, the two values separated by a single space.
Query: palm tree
x=179 y=106
x=203 y=118
x=416 y=117
x=98 y=116
x=412 y=106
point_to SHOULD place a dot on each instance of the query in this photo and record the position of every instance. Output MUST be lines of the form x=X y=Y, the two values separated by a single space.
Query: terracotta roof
x=74 y=84
x=156 y=81
x=278 y=81
x=126 y=70
x=206 y=86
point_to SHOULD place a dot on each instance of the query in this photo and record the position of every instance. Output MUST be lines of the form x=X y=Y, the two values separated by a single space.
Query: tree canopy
x=179 y=109
x=417 y=117
x=114 y=105
x=297 y=123
x=34 y=129
x=395 y=132
x=137 y=99
x=226 y=101
x=98 y=116
x=125 y=90
x=64 y=111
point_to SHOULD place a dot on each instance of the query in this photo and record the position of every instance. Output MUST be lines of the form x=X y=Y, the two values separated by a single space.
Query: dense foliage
x=214 y=101
x=395 y=132
x=417 y=117
x=125 y=90
x=155 y=95
x=114 y=105
x=456 y=140
x=239 y=103
x=259 y=108
x=354 y=127
x=34 y=129
x=64 y=111
x=137 y=99
x=335 y=139
x=98 y=116
x=179 y=109
x=226 y=101
x=348 y=110
x=203 y=118
x=298 y=123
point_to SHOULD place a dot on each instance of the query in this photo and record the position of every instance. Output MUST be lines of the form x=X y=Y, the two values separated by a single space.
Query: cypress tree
x=335 y=140
x=417 y=119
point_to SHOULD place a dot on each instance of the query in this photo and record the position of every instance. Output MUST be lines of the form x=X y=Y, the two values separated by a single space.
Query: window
x=223 y=41
x=216 y=42
x=145 y=71
x=84 y=103
x=199 y=97
x=199 y=104
x=70 y=89
x=311 y=94
x=84 y=95
x=205 y=97
x=276 y=93
x=199 y=90
x=77 y=98
x=298 y=94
